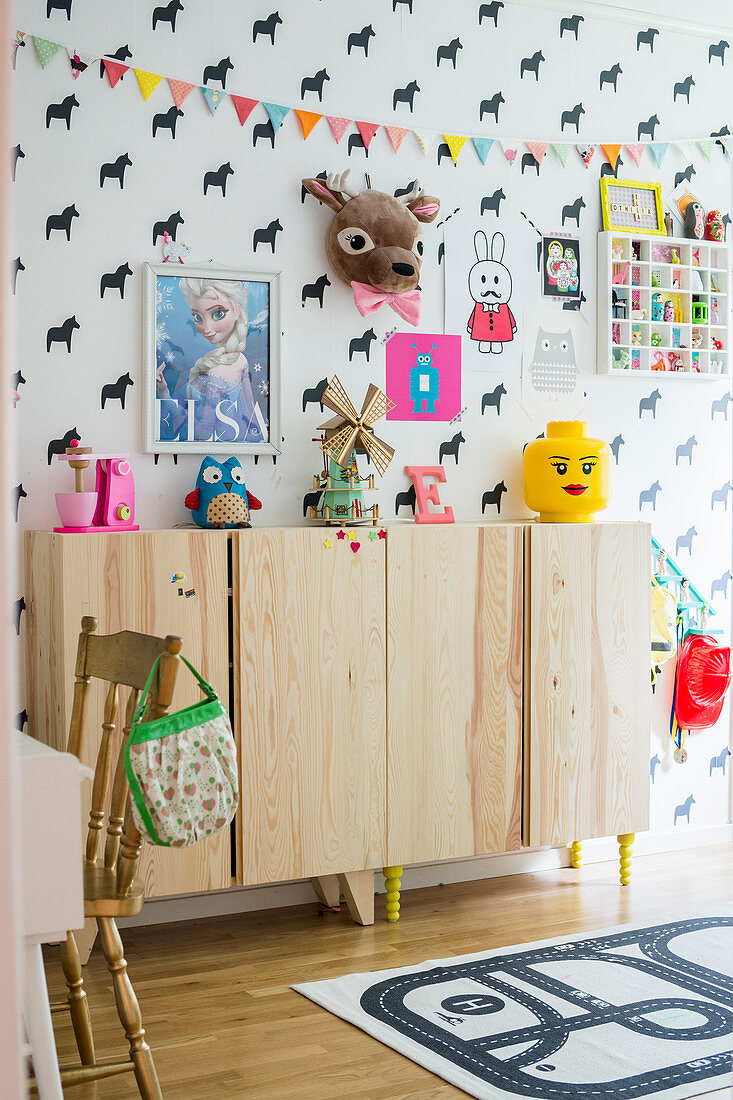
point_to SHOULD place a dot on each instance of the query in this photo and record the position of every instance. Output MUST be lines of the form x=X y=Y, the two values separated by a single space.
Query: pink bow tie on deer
x=406 y=305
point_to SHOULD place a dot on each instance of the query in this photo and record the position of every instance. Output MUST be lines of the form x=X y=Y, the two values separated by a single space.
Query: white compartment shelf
x=670 y=307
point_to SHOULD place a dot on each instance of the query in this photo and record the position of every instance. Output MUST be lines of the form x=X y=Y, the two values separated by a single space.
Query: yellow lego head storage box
x=567 y=477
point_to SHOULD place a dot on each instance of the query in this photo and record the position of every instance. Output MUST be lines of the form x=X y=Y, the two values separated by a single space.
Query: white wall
x=114 y=226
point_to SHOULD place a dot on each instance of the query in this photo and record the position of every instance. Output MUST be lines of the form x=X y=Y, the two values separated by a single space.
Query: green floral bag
x=182 y=770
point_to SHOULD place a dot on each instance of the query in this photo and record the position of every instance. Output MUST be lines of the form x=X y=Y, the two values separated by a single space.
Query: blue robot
x=424 y=383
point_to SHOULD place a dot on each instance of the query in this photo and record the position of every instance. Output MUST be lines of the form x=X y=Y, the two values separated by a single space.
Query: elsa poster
x=212 y=360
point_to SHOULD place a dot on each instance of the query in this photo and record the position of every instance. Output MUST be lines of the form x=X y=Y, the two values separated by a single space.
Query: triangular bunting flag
x=115 y=70
x=45 y=50
x=276 y=113
x=537 y=149
x=509 y=149
x=561 y=151
x=148 y=82
x=426 y=139
x=586 y=153
x=612 y=152
x=339 y=126
x=636 y=152
x=213 y=97
x=707 y=147
x=455 y=144
x=482 y=146
x=243 y=106
x=79 y=61
x=396 y=135
x=657 y=150
x=367 y=131
x=308 y=119
x=179 y=90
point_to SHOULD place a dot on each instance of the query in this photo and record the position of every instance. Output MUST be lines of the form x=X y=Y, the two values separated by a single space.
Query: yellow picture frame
x=630 y=219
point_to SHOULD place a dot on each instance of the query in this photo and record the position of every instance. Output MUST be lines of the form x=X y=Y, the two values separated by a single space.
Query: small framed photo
x=632 y=207
x=211 y=360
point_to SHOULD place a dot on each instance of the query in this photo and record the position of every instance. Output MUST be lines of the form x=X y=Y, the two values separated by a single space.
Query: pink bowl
x=76 y=509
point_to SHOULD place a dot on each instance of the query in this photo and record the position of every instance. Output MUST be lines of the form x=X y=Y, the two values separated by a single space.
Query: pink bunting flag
x=179 y=90
x=537 y=149
x=115 y=70
x=396 y=135
x=367 y=131
x=243 y=106
x=509 y=149
x=636 y=152
x=339 y=126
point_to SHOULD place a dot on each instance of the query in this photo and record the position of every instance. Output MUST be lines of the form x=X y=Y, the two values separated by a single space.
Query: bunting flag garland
x=561 y=151
x=537 y=149
x=116 y=70
x=179 y=90
x=657 y=150
x=707 y=147
x=396 y=135
x=612 y=152
x=483 y=147
x=367 y=131
x=636 y=152
x=45 y=50
x=307 y=119
x=148 y=82
x=79 y=61
x=455 y=143
x=509 y=149
x=586 y=153
x=213 y=97
x=339 y=126
x=426 y=139
x=277 y=113
x=242 y=105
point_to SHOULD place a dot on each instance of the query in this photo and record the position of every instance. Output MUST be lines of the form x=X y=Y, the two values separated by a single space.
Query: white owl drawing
x=553 y=368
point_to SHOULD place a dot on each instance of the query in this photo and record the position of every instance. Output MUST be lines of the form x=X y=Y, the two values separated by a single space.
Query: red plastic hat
x=703 y=677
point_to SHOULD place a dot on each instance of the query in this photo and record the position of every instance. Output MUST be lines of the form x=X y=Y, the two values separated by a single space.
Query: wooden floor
x=223 y=1021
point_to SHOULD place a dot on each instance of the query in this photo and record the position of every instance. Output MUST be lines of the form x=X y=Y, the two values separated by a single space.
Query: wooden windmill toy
x=340 y=484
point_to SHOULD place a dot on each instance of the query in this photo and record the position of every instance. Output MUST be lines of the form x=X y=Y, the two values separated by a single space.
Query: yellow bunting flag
x=148 y=82
x=612 y=152
x=308 y=119
x=455 y=144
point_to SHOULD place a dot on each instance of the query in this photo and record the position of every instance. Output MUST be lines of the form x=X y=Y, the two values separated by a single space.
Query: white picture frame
x=174 y=361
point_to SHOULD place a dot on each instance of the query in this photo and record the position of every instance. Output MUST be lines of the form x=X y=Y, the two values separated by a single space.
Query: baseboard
x=247 y=899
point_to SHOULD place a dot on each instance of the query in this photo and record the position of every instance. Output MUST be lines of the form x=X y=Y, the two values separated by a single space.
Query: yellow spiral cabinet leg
x=392 y=882
x=625 y=851
x=576 y=853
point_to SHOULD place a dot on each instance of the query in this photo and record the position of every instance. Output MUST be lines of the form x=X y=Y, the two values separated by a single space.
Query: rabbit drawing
x=492 y=323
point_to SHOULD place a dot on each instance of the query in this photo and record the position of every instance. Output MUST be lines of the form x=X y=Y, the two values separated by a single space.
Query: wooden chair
x=110 y=889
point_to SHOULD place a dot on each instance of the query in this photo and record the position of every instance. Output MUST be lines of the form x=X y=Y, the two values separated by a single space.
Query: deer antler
x=413 y=194
x=338 y=182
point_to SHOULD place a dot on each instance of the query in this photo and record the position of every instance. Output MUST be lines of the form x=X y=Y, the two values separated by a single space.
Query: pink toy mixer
x=111 y=507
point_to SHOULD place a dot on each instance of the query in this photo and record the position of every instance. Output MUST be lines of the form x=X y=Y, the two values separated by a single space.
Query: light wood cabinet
x=124 y=580
x=309 y=703
x=444 y=692
x=587 y=707
x=454 y=691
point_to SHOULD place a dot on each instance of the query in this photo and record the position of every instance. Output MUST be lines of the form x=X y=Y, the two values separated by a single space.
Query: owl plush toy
x=220 y=498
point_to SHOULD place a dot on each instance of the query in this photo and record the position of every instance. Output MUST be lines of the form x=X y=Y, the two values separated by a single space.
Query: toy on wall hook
x=374 y=242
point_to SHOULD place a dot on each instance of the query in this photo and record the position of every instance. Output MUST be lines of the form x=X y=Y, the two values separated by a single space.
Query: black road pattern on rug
x=480 y=1056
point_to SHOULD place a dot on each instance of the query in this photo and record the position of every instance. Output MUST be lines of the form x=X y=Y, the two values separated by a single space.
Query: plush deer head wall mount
x=374 y=242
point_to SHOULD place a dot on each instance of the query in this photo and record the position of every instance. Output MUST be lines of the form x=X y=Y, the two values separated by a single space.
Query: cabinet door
x=309 y=676
x=124 y=580
x=454 y=696
x=588 y=704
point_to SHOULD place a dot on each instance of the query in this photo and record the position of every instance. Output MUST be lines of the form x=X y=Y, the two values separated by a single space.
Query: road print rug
x=624 y=1013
